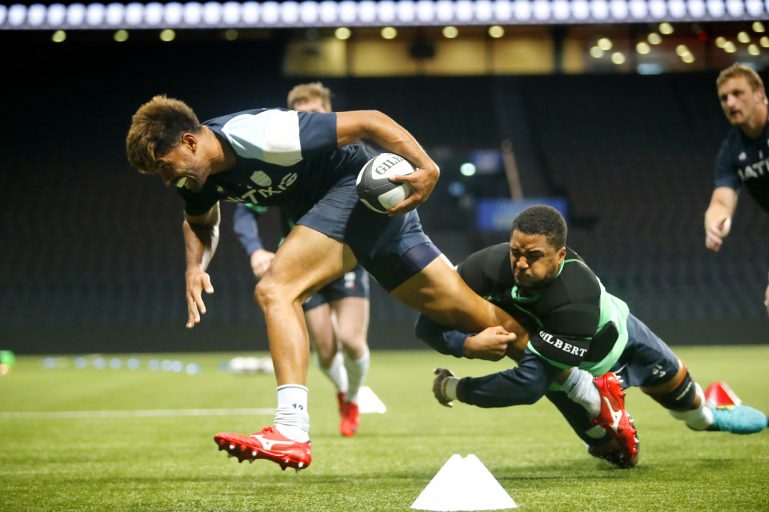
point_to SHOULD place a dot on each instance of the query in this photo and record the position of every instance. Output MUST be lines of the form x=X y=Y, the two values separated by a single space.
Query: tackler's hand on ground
x=444 y=386
x=197 y=281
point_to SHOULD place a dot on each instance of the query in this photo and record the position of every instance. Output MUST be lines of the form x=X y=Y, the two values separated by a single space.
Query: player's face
x=740 y=103
x=535 y=262
x=310 y=105
x=183 y=166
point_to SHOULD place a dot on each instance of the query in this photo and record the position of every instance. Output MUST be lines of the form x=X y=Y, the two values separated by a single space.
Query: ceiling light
x=342 y=33
x=389 y=33
x=450 y=32
x=743 y=37
x=167 y=35
x=496 y=31
x=654 y=38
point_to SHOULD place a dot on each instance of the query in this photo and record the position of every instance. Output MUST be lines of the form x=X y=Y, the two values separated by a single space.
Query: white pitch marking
x=150 y=413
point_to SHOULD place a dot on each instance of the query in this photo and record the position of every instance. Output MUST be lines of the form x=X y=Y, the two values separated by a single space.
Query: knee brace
x=681 y=397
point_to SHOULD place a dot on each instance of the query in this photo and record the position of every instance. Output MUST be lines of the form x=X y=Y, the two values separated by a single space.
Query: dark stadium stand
x=637 y=152
x=92 y=258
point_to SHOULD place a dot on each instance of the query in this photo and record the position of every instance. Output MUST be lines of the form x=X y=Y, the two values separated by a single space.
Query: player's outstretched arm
x=201 y=236
x=379 y=128
x=523 y=385
x=491 y=344
x=718 y=216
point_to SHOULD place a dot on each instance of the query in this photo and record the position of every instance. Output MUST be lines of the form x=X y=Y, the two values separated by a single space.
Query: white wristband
x=450 y=388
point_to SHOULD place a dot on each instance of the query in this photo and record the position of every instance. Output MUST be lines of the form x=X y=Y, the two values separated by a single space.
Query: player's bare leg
x=305 y=262
x=321 y=330
x=323 y=337
x=352 y=317
x=439 y=292
x=320 y=326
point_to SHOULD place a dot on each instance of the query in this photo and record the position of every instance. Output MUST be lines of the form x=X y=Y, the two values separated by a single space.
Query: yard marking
x=148 y=413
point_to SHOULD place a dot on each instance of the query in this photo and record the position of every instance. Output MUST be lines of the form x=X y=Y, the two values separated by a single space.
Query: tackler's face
x=740 y=103
x=535 y=261
x=184 y=166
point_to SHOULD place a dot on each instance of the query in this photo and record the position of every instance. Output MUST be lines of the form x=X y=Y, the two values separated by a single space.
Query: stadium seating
x=89 y=244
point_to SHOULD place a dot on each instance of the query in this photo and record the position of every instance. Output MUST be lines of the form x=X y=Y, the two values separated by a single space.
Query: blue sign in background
x=497 y=214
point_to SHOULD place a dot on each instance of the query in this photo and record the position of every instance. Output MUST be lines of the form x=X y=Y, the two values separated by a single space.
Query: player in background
x=573 y=321
x=306 y=163
x=744 y=154
x=337 y=315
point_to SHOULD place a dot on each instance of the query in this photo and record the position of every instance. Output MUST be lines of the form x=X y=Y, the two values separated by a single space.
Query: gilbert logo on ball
x=375 y=189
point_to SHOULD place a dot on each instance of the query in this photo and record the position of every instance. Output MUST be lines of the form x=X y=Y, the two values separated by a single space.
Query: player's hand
x=260 y=262
x=491 y=344
x=197 y=281
x=422 y=182
x=716 y=231
x=441 y=387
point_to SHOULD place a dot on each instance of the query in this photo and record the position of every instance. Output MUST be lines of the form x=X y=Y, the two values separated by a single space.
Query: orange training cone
x=719 y=394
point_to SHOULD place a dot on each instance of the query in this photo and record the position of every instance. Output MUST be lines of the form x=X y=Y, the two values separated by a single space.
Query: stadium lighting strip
x=327 y=13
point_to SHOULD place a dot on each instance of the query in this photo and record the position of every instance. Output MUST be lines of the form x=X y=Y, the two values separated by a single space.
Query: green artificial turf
x=163 y=463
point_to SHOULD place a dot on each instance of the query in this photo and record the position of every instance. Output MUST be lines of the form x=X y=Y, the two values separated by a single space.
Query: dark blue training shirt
x=283 y=158
x=745 y=160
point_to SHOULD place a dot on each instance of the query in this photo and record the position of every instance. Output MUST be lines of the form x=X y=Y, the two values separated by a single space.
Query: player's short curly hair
x=737 y=69
x=543 y=220
x=157 y=128
x=308 y=91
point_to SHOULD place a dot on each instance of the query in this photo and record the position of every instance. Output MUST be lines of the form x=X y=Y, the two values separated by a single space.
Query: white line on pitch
x=150 y=413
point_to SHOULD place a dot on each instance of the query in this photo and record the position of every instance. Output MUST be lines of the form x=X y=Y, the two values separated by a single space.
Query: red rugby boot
x=614 y=418
x=268 y=444
x=348 y=427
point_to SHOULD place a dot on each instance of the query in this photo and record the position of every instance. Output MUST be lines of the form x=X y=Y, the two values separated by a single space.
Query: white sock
x=291 y=417
x=356 y=374
x=699 y=418
x=580 y=388
x=337 y=373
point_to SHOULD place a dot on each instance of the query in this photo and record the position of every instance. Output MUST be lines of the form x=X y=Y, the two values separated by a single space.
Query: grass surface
x=171 y=463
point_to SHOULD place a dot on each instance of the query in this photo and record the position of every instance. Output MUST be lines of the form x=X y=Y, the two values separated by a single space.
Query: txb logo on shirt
x=261 y=179
x=266 y=189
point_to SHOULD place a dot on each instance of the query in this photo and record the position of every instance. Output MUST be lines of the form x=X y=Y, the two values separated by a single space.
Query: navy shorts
x=353 y=284
x=392 y=249
x=646 y=360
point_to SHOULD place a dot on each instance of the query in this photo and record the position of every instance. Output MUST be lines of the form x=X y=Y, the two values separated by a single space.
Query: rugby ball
x=375 y=189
